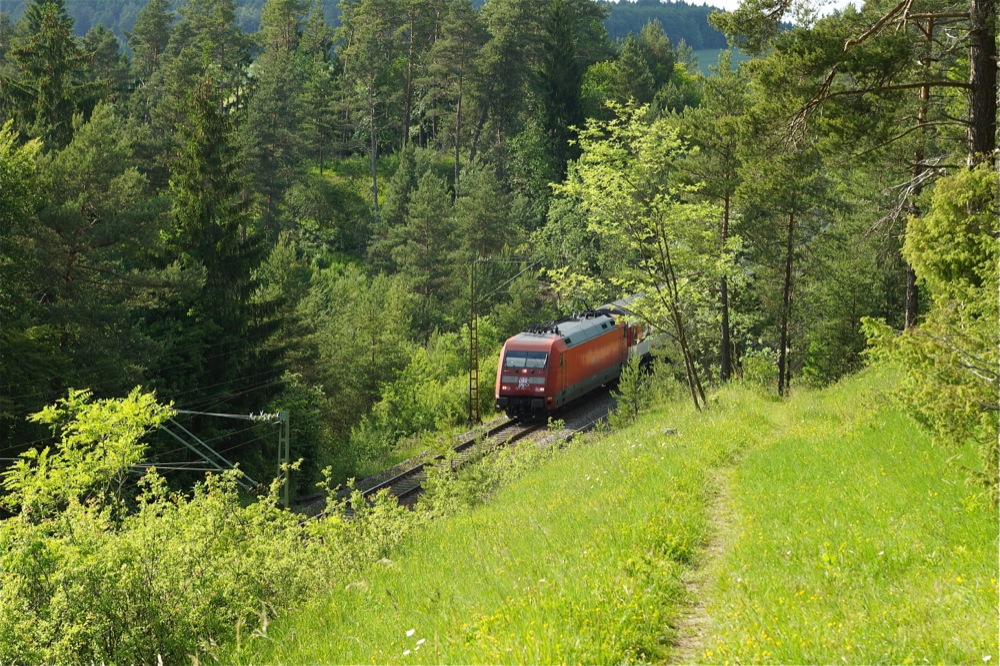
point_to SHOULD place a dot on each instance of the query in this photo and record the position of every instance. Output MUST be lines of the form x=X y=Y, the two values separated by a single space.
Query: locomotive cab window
x=525 y=359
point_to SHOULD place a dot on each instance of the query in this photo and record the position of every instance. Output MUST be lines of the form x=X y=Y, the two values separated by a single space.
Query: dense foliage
x=92 y=574
x=286 y=220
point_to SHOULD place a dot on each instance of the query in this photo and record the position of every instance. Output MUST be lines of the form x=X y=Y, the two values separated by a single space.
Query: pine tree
x=319 y=88
x=94 y=237
x=23 y=346
x=505 y=82
x=718 y=128
x=421 y=25
x=561 y=82
x=371 y=57
x=107 y=67
x=422 y=248
x=149 y=38
x=271 y=132
x=657 y=51
x=205 y=44
x=635 y=81
x=452 y=63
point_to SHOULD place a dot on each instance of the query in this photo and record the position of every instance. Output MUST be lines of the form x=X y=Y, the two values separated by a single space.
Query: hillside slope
x=679 y=19
x=824 y=528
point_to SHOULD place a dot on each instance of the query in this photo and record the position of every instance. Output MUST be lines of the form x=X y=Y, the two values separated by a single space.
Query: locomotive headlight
x=540 y=389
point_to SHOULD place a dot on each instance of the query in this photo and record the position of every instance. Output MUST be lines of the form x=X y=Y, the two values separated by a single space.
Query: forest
x=245 y=223
x=680 y=20
x=214 y=221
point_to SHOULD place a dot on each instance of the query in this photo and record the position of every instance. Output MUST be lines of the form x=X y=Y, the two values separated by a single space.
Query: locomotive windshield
x=525 y=359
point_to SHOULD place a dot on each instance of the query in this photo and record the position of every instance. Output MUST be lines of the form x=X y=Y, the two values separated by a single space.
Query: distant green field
x=824 y=529
x=710 y=58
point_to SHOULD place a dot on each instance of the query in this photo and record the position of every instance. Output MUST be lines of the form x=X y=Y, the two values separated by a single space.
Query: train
x=549 y=365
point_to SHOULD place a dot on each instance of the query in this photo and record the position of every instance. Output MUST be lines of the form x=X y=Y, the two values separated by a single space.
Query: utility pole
x=474 y=417
x=474 y=298
x=284 y=454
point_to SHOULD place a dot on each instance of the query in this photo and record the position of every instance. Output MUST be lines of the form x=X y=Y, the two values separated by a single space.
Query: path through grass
x=859 y=542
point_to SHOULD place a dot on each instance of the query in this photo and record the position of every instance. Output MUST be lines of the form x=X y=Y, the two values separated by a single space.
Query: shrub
x=760 y=368
x=92 y=575
x=950 y=360
x=632 y=395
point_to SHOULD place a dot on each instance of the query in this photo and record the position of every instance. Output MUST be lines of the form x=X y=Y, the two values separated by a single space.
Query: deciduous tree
x=663 y=248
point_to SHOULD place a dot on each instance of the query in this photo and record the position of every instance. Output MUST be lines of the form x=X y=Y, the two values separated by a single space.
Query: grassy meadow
x=825 y=528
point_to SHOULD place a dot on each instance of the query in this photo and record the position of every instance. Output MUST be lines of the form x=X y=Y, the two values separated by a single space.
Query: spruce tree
x=452 y=64
x=222 y=353
x=41 y=86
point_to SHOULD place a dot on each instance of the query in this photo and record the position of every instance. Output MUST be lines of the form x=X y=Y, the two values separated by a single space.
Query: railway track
x=405 y=481
x=407 y=484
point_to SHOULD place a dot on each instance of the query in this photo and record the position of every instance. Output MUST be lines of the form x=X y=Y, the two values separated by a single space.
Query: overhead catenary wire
x=205 y=456
x=217 y=401
x=225 y=435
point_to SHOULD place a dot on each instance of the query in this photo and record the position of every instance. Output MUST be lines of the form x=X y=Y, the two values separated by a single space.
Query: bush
x=91 y=575
x=760 y=368
x=632 y=395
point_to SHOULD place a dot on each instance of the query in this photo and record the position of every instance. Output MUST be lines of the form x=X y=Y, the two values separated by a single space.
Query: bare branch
x=907 y=191
x=941 y=15
x=877 y=26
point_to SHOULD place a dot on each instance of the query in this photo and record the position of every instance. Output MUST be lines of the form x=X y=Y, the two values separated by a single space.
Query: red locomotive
x=551 y=364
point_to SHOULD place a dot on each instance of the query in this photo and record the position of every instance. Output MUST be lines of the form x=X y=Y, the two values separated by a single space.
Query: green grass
x=851 y=538
x=855 y=540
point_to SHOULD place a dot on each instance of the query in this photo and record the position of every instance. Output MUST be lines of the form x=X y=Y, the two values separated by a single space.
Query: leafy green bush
x=760 y=368
x=632 y=395
x=92 y=575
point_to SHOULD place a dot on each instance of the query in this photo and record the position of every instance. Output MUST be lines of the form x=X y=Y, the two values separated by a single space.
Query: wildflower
x=411 y=632
x=406 y=652
x=421 y=641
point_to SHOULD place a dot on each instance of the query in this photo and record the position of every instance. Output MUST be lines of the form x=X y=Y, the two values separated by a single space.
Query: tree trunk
x=982 y=80
x=408 y=93
x=786 y=306
x=694 y=381
x=912 y=298
x=912 y=304
x=373 y=153
x=475 y=136
x=726 y=349
x=458 y=137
